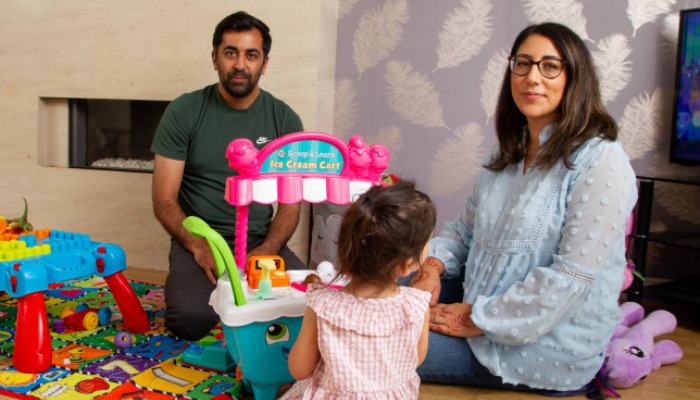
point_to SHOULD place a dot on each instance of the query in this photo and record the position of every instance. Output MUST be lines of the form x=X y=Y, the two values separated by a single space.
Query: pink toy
x=630 y=270
x=243 y=157
x=305 y=166
x=359 y=155
x=380 y=160
x=629 y=276
x=632 y=354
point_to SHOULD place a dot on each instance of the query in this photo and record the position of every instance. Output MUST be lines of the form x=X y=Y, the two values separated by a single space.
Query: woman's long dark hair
x=583 y=115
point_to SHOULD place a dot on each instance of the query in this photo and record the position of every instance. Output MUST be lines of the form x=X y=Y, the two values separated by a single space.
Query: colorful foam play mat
x=93 y=356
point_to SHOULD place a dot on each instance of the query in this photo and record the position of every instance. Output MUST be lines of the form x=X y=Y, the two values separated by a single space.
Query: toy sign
x=303 y=166
x=305 y=156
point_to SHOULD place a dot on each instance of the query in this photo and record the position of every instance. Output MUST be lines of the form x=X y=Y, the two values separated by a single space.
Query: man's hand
x=454 y=320
x=428 y=278
x=203 y=257
x=167 y=176
x=262 y=250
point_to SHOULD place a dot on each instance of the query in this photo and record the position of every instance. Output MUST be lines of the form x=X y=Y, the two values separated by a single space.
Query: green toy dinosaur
x=19 y=224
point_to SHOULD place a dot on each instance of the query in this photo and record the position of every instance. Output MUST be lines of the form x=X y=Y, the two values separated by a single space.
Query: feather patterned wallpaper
x=423 y=78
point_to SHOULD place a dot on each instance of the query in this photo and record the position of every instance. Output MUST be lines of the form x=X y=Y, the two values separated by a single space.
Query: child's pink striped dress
x=369 y=347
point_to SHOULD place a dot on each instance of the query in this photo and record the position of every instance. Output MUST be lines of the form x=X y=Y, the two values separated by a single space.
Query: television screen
x=685 y=139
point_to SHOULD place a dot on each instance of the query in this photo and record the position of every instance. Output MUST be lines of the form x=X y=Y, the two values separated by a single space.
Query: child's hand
x=454 y=320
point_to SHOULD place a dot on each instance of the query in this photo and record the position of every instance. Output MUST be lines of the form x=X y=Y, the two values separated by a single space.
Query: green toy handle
x=221 y=252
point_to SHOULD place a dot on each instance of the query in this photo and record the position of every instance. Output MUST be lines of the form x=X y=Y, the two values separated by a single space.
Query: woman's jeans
x=450 y=359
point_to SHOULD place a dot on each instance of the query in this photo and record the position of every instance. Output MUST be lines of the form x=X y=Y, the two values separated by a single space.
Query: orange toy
x=278 y=277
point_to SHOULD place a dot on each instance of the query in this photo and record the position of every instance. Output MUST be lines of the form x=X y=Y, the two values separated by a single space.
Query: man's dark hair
x=241 y=21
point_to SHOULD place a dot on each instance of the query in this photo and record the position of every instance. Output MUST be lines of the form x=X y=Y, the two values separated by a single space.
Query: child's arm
x=423 y=340
x=304 y=354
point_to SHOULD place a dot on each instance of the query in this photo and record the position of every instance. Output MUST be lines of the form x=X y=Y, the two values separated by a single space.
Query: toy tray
x=286 y=303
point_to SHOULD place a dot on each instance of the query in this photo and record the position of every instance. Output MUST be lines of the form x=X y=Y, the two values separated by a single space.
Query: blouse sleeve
x=452 y=245
x=599 y=203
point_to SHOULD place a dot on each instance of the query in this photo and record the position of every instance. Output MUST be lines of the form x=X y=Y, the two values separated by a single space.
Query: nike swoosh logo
x=262 y=140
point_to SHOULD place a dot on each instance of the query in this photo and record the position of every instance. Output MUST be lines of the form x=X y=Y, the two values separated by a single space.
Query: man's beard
x=239 y=90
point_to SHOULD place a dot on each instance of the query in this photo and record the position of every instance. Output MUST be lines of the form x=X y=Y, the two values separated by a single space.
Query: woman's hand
x=428 y=279
x=454 y=320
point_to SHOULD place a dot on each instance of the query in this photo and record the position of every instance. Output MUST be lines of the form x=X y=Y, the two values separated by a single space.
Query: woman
x=540 y=241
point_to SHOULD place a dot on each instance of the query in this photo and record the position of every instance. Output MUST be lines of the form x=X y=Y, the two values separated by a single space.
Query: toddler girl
x=366 y=340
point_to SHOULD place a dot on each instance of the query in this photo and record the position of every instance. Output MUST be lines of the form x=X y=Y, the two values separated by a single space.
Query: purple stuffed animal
x=632 y=354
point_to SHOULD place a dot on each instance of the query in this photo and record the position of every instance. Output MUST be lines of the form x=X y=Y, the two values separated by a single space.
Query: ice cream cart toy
x=261 y=325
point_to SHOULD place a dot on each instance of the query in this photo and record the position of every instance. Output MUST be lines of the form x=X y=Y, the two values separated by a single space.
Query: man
x=191 y=169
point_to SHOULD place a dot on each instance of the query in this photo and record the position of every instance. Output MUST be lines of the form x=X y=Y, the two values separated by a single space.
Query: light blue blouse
x=544 y=254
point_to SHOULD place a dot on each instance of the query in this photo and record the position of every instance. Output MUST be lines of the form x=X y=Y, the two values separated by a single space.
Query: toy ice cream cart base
x=259 y=336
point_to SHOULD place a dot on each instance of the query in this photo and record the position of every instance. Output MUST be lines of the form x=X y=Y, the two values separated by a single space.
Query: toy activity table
x=29 y=266
x=305 y=166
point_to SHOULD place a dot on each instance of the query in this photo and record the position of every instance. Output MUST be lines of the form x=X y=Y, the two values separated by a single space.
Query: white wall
x=129 y=49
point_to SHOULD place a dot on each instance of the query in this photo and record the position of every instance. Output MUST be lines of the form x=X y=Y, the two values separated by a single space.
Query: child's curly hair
x=383 y=228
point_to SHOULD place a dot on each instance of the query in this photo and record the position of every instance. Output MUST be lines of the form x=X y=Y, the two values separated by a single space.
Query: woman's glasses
x=550 y=67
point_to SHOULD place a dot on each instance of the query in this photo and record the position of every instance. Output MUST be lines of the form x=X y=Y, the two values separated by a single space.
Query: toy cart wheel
x=123 y=340
x=59 y=326
x=67 y=311
x=104 y=315
x=90 y=320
